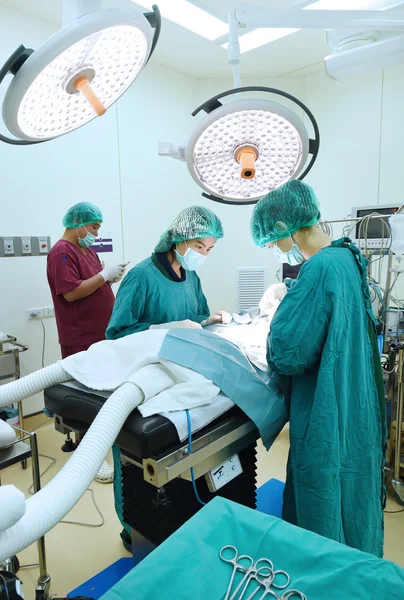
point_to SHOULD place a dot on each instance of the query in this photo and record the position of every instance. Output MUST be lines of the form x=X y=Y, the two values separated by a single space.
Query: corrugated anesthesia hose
x=46 y=508
x=32 y=384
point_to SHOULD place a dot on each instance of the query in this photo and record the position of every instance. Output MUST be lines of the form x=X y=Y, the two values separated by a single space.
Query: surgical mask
x=293 y=256
x=86 y=241
x=192 y=260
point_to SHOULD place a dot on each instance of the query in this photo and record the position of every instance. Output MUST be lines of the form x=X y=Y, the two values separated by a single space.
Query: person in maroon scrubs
x=81 y=289
x=79 y=282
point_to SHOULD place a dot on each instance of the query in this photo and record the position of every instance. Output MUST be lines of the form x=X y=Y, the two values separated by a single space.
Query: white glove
x=272 y=297
x=186 y=324
x=221 y=316
x=113 y=273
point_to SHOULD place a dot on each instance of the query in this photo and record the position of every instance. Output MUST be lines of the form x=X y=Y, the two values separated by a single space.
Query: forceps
x=265 y=577
x=267 y=569
x=237 y=566
x=267 y=581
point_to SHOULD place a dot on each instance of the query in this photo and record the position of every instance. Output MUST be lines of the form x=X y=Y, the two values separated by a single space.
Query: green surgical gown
x=323 y=338
x=148 y=297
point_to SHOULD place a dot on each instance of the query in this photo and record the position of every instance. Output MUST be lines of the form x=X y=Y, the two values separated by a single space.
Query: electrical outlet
x=26 y=245
x=48 y=311
x=43 y=245
x=35 y=313
x=8 y=246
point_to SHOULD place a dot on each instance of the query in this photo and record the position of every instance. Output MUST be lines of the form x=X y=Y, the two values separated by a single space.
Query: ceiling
x=186 y=52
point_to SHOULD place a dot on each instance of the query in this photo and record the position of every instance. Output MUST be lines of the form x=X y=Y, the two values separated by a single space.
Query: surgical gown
x=323 y=338
x=147 y=297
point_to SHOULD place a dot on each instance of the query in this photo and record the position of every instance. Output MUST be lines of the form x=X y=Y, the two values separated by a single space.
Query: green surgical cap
x=192 y=223
x=283 y=212
x=82 y=214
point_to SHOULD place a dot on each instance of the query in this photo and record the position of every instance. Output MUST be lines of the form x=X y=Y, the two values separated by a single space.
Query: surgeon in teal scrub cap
x=164 y=291
x=323 y=339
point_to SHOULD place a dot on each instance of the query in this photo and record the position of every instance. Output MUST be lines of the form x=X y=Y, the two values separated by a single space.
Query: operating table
x=156 y=479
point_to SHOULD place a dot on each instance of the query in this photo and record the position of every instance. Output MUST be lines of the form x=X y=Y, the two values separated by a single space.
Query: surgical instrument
x=262 y=572
x=267 y=571
x=237 y=565
x=268 y=581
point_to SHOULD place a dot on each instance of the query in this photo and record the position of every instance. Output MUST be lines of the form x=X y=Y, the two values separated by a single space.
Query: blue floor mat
x=98 y=585
x=270 y=498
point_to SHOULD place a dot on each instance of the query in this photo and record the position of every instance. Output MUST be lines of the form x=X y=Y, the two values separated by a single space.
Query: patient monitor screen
x=374 y=229
x=289 y=272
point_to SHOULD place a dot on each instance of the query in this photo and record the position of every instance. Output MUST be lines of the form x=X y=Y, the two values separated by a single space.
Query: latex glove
x=221 y=316
x=272 y=297
x=113 y=273
x=186 y=324
x=117 y=279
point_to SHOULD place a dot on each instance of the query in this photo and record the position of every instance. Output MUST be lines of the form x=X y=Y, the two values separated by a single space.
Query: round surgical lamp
x=244 y=149
x=77 y=74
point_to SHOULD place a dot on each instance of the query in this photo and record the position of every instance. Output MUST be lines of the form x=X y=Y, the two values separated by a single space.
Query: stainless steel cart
x=16 y=452
x=10 y=351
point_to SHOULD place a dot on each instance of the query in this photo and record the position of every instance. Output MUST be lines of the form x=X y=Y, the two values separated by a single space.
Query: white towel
x=166 y=385
x=109 y=364
x=7 y=434
x=12 y=503
x=189 y=389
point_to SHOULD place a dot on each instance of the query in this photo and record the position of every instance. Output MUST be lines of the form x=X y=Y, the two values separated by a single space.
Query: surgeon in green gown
x=323 y=339
x=164 y=291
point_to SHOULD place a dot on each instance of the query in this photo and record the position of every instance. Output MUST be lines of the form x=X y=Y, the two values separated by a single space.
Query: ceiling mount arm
x=248 y=15
x=233 y=50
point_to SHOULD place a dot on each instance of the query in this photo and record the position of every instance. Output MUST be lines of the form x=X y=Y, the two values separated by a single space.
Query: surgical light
x=244 y=149
x=78 y=73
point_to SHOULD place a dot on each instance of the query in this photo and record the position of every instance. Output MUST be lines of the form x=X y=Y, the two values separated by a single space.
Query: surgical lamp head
x=77 y=74
x=244 y=149
x=283 y=212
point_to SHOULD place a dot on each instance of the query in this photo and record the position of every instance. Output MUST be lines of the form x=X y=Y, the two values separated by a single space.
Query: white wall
x=348 y=113
x=392 y=145
x=154 y=189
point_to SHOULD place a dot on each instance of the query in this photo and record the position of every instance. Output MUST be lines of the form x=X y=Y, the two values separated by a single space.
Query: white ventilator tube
x=50 y=505
x=32 y=384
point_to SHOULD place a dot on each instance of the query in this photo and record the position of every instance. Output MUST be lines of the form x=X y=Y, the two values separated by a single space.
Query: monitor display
x=374 y=228
x=289 y=272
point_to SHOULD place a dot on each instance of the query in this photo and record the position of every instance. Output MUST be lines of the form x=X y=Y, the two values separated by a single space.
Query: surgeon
x=81 y=288
x=164 y=291
x=323 y=340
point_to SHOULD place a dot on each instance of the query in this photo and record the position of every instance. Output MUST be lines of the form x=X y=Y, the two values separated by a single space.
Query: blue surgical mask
x=87 y=241
x=293 y=256
x=192 y=260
